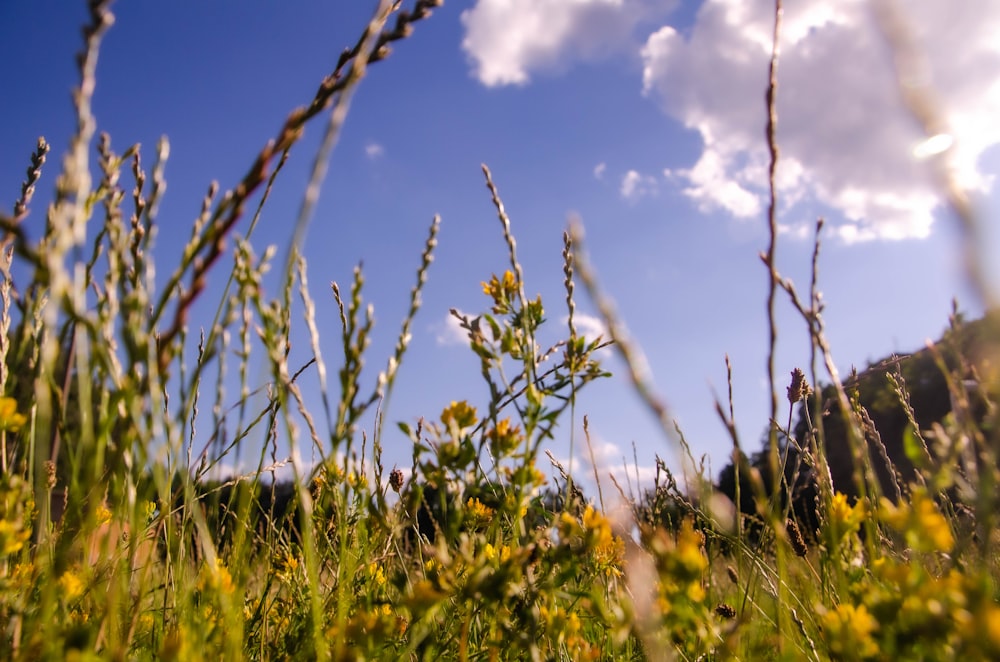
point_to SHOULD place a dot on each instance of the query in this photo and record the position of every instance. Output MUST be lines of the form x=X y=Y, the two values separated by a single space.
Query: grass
x=115 y=545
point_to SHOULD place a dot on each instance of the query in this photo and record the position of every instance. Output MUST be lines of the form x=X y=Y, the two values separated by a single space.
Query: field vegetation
x=864 y=528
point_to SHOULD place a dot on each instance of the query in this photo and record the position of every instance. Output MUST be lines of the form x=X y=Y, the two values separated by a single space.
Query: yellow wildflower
x=504 y=438
x=689 y=549
x=501 y=290
x=845 y=518
x=357 y=481
x=991 y=619
x=459 y=414
x=103 y=515
x=12 y=537
x=925 y=528
x=479 y=513
x=71 y=584
x=10 y=420
x=609 y=549
x=848 y=631
x=216 y=578
x=376 y=574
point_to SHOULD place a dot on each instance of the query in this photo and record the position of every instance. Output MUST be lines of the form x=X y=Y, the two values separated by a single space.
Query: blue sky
x=644 y=118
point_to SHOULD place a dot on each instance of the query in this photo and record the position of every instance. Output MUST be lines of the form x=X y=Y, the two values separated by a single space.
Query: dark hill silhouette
x=970 y=354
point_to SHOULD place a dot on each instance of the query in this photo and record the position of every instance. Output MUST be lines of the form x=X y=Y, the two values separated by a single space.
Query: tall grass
x=115 y=543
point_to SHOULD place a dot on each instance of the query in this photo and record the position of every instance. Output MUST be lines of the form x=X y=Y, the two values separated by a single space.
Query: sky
x=643 y=118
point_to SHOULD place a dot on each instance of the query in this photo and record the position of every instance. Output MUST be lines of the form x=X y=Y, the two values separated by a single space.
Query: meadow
x=117 y=543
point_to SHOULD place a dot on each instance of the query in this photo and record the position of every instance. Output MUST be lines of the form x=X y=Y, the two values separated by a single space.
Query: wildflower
x=10 y=420
x=924 y=526
x=609 y=549
x=71 y=584
x=12 y=537
x=217 y=578
x=690 y=556
x=357 y=481
x=848 y=631
x=103 y=516
x=504 y=438
x=460 y=415
x=502 y=291
x=376 y=574
x=151 y=511
x=569 y=527
x=479 y=513
x=288 y=566
x=844 y=519
x=145 y=622
x=991 y=618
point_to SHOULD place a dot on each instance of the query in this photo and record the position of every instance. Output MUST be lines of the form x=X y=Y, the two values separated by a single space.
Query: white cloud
x=599 y=170
x=589 y=326
x=506 y=40
x=636 y=185
x=846 y=140
x=448 y=331
x=609 y=459
x=374 y=150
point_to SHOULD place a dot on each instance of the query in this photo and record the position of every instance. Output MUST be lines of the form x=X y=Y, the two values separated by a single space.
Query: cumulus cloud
x=506 y=40
x=590 y=327
x=609 y=458
x=448 y=331
x=636 y=185
x=374 y=150
x=846 y=140
x=599 y=170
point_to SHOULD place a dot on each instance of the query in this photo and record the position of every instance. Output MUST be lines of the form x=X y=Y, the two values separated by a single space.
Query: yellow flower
x=489 y=551
x=501 y=290
x=10 y=420
x=479 y=513
x=376 y=574
x=504 y=438
x=357 y=481
x=12 y=537
x=991 y=618
x=689 y=549
x=924 y=526
x=459 y=414
x=845 y=518
x=216 y=578
x=71 y=584
x=609 y=549
x=848 y=631
x=103 y=515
